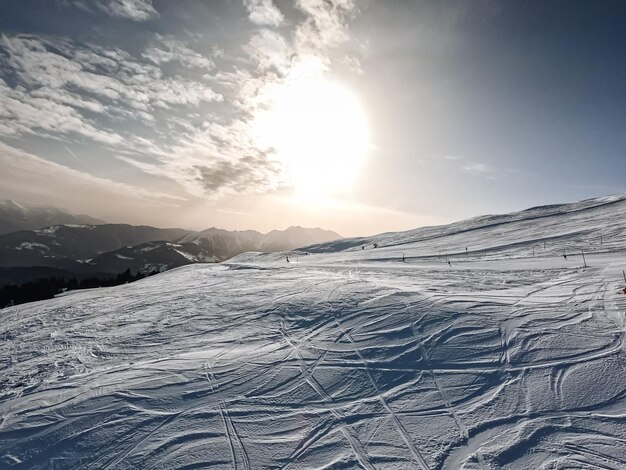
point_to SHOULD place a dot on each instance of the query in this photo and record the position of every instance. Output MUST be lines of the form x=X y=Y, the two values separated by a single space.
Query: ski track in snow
x=348 y=359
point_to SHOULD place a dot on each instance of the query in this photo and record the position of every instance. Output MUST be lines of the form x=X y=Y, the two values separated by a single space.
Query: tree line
x=47 y=288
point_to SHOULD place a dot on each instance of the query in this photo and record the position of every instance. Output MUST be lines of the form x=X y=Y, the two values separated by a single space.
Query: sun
x=318 y=131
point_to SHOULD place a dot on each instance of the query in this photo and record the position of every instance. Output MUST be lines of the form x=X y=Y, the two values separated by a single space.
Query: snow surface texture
x=341 y=359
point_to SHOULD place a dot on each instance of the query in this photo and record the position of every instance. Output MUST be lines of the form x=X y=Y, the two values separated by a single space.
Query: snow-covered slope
x=340 y=359
x=562 y=226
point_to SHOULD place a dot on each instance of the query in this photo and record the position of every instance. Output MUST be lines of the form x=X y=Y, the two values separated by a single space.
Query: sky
x=356 y=116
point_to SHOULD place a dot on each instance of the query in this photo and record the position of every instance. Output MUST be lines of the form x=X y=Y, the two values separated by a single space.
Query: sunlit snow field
x=511 y=356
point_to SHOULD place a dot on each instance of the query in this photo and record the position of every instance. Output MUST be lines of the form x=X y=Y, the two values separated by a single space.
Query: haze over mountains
x=79 y=247
x=15 y=216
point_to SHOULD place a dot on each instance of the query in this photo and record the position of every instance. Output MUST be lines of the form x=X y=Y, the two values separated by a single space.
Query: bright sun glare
x=318 y=130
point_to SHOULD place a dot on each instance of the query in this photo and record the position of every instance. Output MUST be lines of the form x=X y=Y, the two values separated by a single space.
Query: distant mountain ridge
x=224 y=244
x=15 y=216
x=113 y=248
x=50 y=245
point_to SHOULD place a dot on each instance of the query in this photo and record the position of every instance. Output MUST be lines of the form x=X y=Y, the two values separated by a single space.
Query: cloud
x=172 y=50
x=215 y=160
x=22 y=113
x=135 y=10
x=326 y=25
x=226 y=210
x=269 y=50
x=227 y=156
x=246 y=173
x=479 y=169
x=67 y=88
x=471 y=167
x=107 y=74
x=150 y=109
x=263 y=12
x=70 y=89
x=27 y=175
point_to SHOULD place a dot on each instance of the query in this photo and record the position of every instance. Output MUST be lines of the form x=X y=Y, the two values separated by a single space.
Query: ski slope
x=509 y=357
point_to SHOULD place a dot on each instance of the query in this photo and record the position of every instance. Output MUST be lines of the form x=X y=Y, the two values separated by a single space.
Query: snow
x=186 y=255
x=152 y=267
x=55 y=228
x=338 y=359
x=154 y=245
x=49 y=230
x=32 y=246
x=119 y=256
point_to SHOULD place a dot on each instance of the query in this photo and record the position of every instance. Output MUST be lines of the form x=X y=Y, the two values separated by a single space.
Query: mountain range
x=15 y=216
x=78 y=249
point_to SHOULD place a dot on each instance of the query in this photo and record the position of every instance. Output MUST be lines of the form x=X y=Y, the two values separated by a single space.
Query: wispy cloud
x=62 y=85
x=171 y=50
x=479 y=169
x=326 y=24
x=153 y=108
x=233 y=212
x=270 y=51
x=264 y=12
x=226 y=156
x=136 y=10
x=23 y=113
x=30 y=173
x=471 y=167
x=71 y=152
x=215 y=160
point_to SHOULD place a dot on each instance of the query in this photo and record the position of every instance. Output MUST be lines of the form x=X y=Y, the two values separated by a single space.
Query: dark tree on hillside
x=47 y=288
